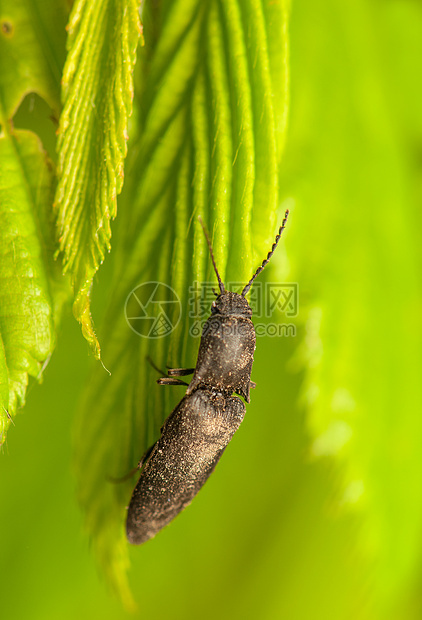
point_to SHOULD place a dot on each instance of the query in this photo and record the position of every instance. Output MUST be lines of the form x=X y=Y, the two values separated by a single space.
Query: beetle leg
x=171 y=372
x=145 y=456
x=139 y=466
x=170 y=381
x=179 y=372
x=159 y=370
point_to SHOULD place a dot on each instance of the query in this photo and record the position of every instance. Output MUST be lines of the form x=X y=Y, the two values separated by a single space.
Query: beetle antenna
x=270 y=253
x=220 y=282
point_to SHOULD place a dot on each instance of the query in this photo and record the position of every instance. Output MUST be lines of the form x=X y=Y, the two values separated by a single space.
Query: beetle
x=198 y=430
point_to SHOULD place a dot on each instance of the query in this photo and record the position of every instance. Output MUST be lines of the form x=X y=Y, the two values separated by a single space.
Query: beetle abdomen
x=193 y=439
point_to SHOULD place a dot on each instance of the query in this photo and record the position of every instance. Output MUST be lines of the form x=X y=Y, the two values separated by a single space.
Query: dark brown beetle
x=198 y=430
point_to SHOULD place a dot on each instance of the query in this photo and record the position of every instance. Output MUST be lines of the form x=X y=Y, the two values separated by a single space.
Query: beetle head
x=231 y=303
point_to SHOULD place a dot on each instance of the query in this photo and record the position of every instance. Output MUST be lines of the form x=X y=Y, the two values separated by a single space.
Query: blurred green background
x=315 y=511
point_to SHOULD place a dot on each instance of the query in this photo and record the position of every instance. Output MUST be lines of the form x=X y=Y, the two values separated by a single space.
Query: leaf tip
x=82 y=313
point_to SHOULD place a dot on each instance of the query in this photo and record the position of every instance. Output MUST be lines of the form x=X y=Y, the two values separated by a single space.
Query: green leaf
x=349 y=167
x=31 y=56
x=31 y=52
x=208 y=143
x=97 y=102
x=27 y=330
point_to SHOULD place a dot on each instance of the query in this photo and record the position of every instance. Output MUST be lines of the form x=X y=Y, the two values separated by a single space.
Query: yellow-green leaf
x=97 y=102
